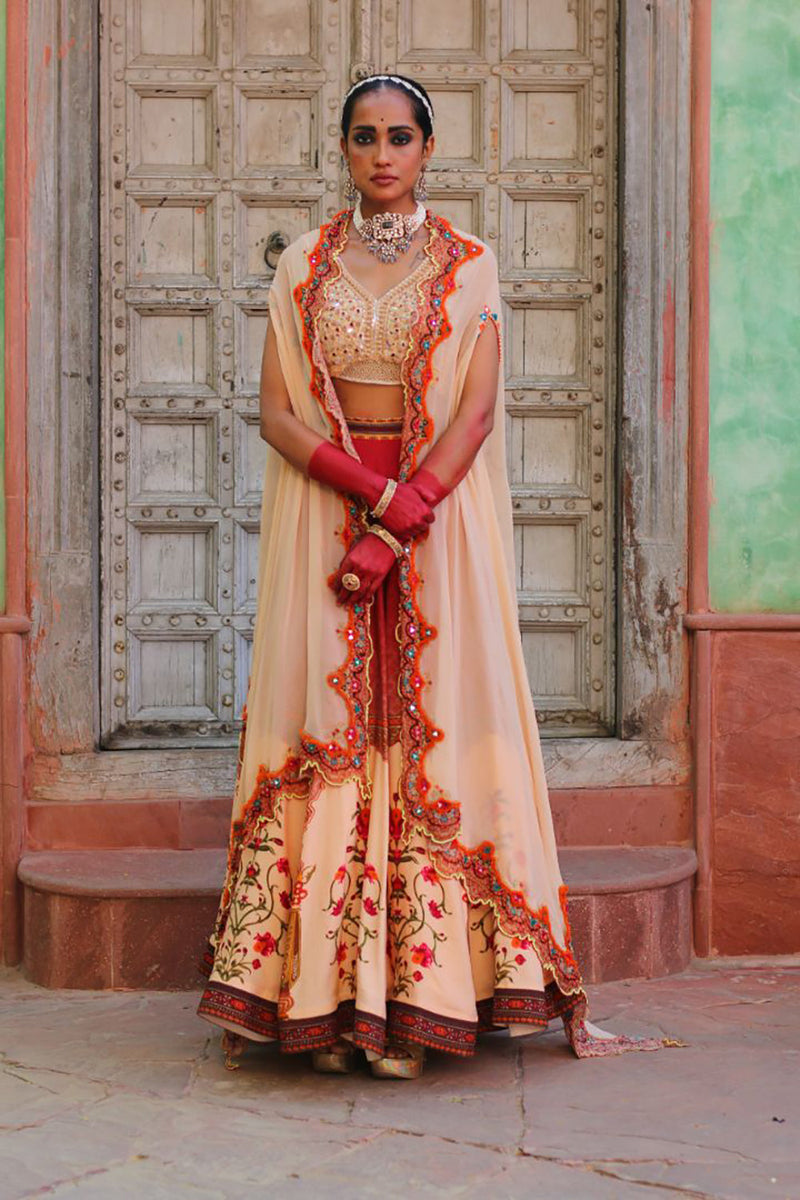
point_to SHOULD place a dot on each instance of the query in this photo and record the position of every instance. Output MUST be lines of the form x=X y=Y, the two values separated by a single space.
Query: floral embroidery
x=416 y=904
x=506 y=964
x=422 y=954
x=264 y=943
x=269 y=790
x=349 y=896
x=254 y=905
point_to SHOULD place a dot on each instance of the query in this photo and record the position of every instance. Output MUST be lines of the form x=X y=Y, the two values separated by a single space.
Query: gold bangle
x=390 y=540
x=385 y=499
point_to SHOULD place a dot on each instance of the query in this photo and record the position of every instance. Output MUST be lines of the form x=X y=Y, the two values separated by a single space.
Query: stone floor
x=124 y=1094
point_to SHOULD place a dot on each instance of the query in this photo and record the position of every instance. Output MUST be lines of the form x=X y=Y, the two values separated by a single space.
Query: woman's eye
x=361 y=139
x=402 y=139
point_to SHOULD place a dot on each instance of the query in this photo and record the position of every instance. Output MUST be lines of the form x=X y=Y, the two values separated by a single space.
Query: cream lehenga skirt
x=345 y=925
x=338 y=924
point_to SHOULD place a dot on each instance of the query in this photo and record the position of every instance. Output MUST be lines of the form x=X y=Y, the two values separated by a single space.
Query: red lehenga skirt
x=340 y=926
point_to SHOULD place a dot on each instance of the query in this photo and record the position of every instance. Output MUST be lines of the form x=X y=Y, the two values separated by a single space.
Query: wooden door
x=219 y=138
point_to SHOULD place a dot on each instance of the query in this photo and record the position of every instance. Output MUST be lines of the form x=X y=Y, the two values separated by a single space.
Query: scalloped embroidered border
x=477 y=871
x=429 y=809
x=338 y=761
x=438 y=815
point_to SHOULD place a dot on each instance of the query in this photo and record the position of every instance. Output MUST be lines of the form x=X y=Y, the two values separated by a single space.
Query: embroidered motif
x=431 y=810
x=310 y=297
x=255 y=904
x=355 y=889
x=404 y=1022
x=270 y=788
x=337 y=760
x=341 y=761
x=364 y=337
x=485 y=317
x=477 y=870
x=518 y=1006
x=417 y=909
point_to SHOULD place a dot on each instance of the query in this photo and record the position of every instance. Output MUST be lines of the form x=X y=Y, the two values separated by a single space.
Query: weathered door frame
x=63 y=419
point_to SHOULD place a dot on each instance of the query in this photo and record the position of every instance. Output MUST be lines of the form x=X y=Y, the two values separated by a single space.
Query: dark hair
x=374 y=84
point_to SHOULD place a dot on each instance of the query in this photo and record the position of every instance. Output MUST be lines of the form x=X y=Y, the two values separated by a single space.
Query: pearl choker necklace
x=388 y=235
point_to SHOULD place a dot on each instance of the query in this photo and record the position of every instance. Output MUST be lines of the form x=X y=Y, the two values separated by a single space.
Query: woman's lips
x=384 y=179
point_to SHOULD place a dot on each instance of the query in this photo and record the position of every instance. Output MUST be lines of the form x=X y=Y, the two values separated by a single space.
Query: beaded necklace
x=388 y=235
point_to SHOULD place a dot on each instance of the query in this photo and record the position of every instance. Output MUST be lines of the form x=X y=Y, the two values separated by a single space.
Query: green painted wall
x=754 y=559
x=2 y=304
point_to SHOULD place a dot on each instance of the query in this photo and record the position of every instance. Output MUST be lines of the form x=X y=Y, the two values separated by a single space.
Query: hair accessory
x=388 y=234
x=393 y=79
x=351 y=581
x=389 y=538
x=385 y=500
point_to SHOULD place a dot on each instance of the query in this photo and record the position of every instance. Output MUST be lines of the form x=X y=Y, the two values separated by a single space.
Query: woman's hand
x=409 y=514
x=371 y=560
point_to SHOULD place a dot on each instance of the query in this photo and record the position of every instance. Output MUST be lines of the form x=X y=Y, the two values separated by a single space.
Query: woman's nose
x=382 y=151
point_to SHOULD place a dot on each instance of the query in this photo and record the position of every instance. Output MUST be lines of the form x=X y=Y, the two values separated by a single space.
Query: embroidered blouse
x=365 y=338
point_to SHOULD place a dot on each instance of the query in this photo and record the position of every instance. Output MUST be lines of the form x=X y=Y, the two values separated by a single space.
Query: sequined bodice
x=365 y=338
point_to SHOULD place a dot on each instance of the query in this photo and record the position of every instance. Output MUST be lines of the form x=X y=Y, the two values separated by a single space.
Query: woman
x=392 y=875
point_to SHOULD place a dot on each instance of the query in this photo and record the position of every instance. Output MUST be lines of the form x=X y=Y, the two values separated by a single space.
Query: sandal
x=402 y=1060
x=233 y=1045
x=336 y=1059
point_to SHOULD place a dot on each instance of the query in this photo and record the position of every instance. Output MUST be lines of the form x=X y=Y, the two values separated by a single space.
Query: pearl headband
x=392 y=79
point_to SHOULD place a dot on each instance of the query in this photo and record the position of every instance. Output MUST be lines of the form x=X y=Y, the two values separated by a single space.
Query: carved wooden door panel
x=220 y=138
x=523 y=96
x=219 y=132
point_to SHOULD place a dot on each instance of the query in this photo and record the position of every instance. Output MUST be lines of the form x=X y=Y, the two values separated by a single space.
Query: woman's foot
x=337 y=1059
x=233 y=1045
x=402 y=1060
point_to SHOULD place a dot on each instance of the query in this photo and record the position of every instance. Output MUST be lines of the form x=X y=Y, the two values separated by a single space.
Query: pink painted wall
x=755 y=731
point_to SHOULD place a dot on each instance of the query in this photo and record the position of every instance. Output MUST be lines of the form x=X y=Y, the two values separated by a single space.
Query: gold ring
x=351 y=582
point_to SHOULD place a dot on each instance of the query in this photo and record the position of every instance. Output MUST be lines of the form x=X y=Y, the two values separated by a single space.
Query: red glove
x=408 y=515
x=429 y=487
x=370 y=560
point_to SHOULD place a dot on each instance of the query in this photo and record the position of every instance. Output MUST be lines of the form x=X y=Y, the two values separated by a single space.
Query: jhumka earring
x=420 y=191
x=350 y=190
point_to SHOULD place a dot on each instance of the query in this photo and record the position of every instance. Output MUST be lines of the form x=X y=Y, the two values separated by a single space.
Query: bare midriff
x=368 y=400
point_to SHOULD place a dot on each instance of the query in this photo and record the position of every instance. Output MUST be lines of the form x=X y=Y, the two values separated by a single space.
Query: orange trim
x=429 y=809
x=338 y=761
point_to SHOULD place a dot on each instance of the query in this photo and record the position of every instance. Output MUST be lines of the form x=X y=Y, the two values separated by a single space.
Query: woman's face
x=384 y=146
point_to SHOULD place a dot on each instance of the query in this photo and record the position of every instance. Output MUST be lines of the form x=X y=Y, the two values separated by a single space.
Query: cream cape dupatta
x=472 y=779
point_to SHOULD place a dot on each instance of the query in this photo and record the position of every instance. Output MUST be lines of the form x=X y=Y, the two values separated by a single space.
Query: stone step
x=141 y=918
